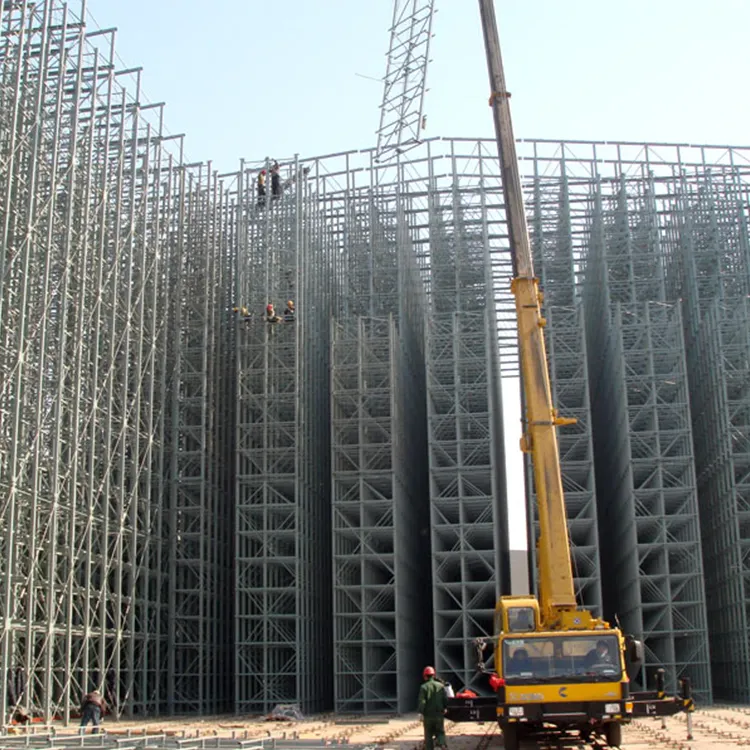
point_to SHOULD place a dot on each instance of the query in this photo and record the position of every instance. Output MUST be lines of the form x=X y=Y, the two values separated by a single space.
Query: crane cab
x=517 y=614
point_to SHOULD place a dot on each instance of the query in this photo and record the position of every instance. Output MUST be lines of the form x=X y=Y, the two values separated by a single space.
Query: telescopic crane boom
x=556 y=592
x=558 y=668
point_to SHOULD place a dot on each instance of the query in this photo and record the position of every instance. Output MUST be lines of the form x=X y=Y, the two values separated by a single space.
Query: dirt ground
x=714 y=728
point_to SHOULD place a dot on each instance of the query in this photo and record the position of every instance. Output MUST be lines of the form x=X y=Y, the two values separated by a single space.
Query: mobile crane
x=557 y=667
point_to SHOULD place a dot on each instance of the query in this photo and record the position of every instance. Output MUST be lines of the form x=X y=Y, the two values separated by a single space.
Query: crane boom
x=556 y=590
x=555 y=665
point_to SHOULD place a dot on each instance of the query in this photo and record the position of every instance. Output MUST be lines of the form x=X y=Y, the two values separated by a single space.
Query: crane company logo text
x=526 y=697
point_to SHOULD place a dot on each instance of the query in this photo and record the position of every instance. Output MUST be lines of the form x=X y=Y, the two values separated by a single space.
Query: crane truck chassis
x=556 y=695
x=558 y=668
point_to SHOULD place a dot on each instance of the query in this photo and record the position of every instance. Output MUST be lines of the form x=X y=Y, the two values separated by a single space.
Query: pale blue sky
x=273 y=78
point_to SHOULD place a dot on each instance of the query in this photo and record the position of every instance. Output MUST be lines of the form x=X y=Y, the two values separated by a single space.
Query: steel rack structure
x=379 y=464
x=282 y=496
x=379 y=514
x=645 y=466
x=646 y=480
x=464 y=411
x=722 y=419
x=83 y=311
x=172 y=470
x=107 y=450
x=200 y=506
x=708 y=257
x=441 y=186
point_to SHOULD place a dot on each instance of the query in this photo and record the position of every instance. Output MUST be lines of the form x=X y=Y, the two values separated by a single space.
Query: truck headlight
x=611 y=708
x=515 y=711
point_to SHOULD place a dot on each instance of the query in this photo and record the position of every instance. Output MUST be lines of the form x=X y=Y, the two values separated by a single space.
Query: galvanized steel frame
x=127 y=382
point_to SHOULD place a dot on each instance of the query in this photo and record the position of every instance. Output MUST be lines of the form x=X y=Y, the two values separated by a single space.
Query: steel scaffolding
x=330 y=486
x=283 y=512
x=709 y=264
x=401 y=112
x=470 y=565
x=379 y=465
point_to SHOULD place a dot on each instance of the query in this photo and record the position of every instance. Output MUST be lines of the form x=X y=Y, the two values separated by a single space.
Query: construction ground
x=718 y=727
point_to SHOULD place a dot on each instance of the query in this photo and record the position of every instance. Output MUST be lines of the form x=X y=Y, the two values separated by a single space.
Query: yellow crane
x=558 y=669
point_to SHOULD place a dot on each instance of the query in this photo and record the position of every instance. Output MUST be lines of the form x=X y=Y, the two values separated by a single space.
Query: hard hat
x=290 y=303
x=263 y=171
x=269 y=308
x=428 y=672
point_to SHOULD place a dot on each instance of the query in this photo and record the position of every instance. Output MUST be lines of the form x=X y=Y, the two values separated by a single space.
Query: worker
x=262 y=188
x=289 y=312
x=271 y=316
x=599 y=655
x=92 y=708
x=433 y=703
x=275 y=181
x=243 y=313
x=519 y=662
x=20 y=716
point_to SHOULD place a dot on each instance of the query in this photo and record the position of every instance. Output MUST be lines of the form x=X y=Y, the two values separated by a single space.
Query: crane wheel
x=613 y=734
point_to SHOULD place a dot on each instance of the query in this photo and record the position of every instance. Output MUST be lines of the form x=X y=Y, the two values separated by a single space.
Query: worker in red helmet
x=271 y=316
x=433 y=703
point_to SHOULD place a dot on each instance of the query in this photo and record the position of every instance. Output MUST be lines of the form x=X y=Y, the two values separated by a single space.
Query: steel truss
x=469 y=564
x=152 y=441
x=709 y=262
x=199 y=508
x=401 y=112
x=379 y=462
x=282 y=521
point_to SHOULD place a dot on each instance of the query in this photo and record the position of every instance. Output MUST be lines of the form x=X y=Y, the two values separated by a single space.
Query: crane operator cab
x=520 y=618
